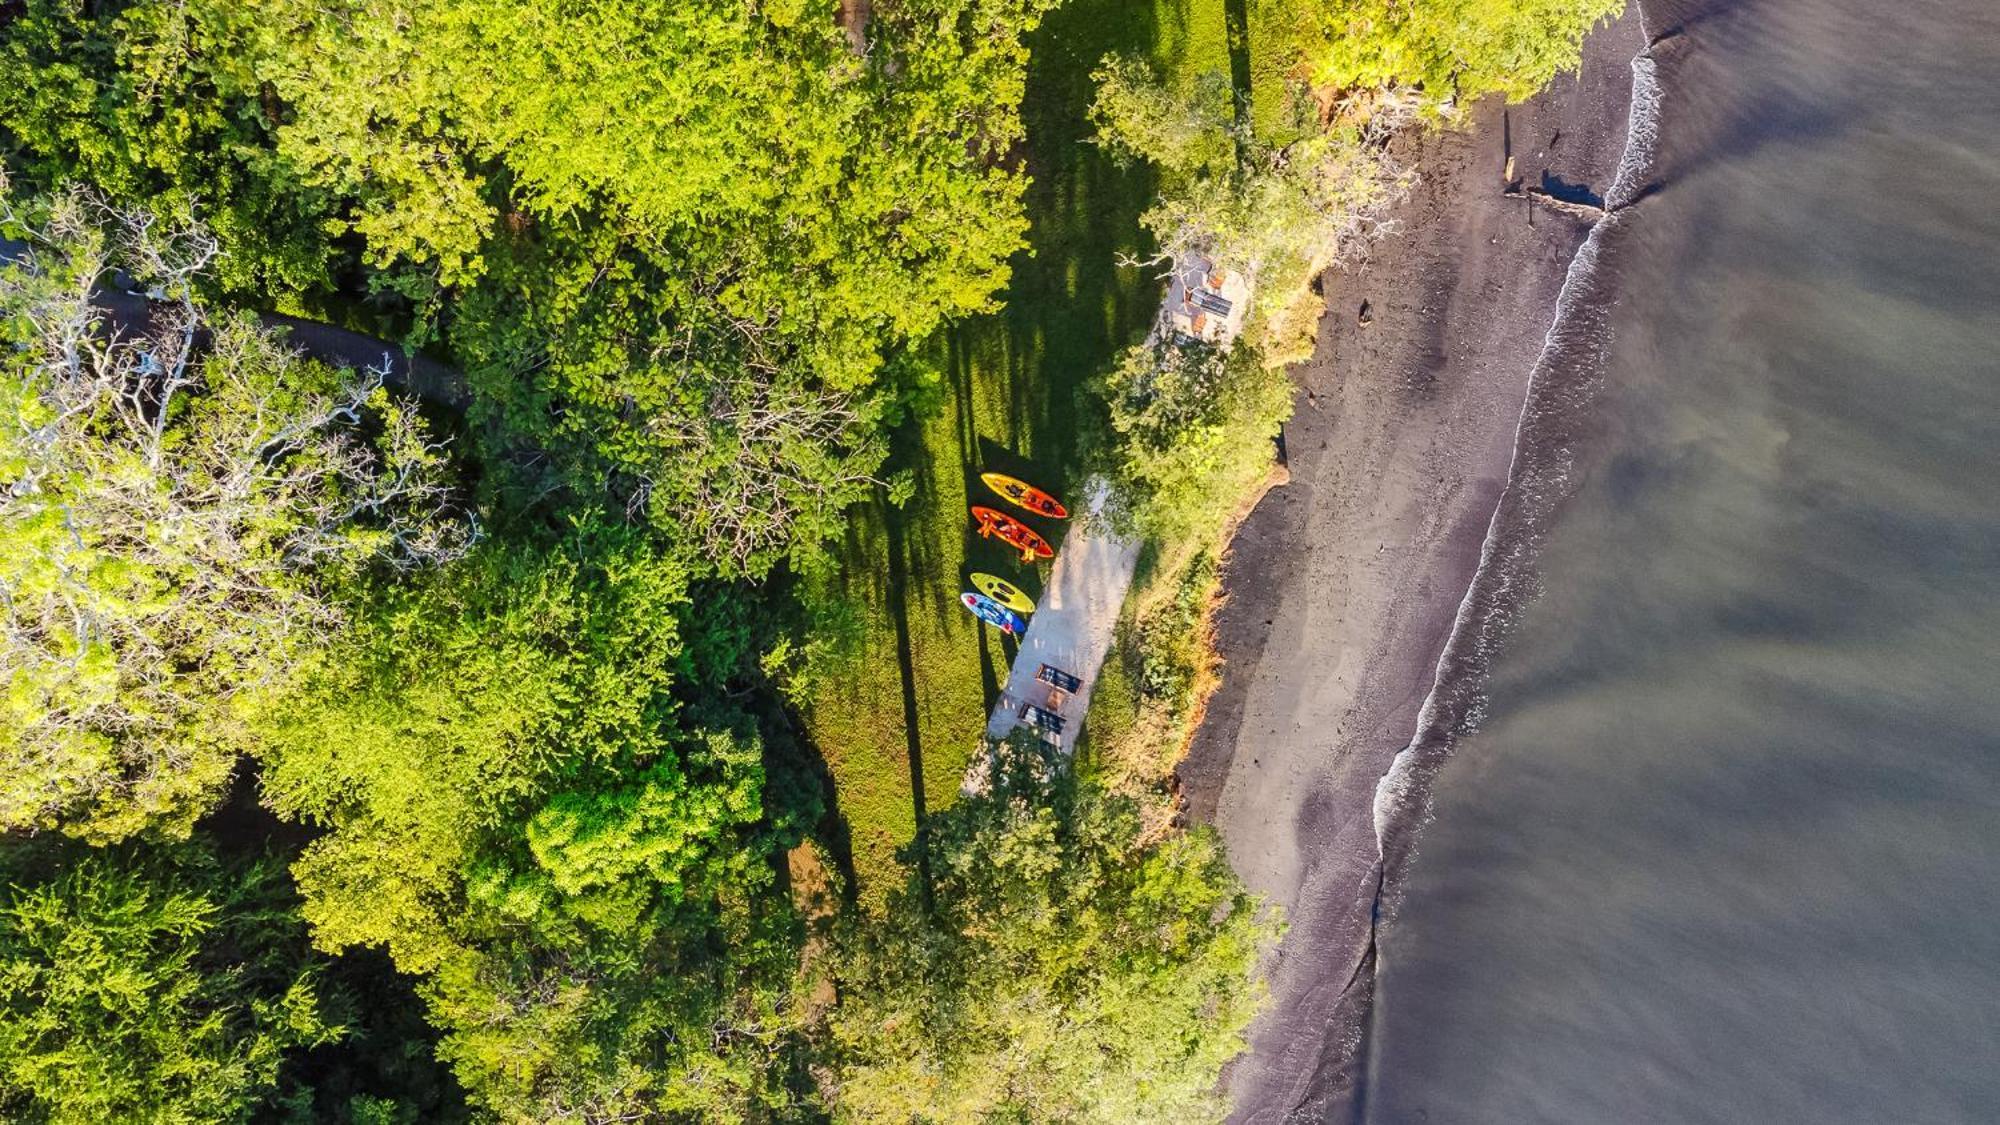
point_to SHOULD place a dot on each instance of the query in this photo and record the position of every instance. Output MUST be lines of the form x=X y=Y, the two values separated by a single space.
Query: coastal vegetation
x=1276 y=199
x=1062 y=964
x=1275 y=182
x=1445 y=54
x=373 y=759
x=1190 y=432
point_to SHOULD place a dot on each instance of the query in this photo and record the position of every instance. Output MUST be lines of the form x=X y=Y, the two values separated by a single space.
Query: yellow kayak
x=1004 y=592
x=1026 y=495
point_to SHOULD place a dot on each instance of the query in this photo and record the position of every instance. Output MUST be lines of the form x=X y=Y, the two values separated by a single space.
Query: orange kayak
x=1014 y=533
x=1025 y=495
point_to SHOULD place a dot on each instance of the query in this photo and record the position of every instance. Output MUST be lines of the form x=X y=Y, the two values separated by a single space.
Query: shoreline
x=1346 y=590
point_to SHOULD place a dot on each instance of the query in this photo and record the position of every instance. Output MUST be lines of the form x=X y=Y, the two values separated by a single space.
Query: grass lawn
x=900 y=725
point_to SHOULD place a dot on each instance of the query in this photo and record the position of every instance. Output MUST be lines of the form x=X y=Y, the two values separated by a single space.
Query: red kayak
x=1012 y=532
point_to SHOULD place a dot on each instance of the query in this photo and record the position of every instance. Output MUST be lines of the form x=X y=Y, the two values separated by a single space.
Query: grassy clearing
x=898 y=725
x=910 y=708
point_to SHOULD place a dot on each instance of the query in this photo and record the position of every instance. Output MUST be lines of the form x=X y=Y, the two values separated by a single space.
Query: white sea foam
x=1503 y=559
x=1642 y=137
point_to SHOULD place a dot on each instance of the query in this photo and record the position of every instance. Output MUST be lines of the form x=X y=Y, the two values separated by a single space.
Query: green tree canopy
x=1189 y=433
x=1275 y=208
x=147 y=989
x=175 y=497
x=1073 y=968
x=1454 y=51
x=148 y=103
x=672 y=244
x=520 y=808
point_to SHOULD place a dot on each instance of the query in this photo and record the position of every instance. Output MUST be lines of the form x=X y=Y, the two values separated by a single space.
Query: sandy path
x=1071 y=628
x=1342 y=586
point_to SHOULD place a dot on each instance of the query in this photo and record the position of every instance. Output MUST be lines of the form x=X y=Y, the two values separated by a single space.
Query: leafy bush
x=1275 y=208
x=1171 y=648
x=1453 y=51
x=1190 y=433
x=1150 y=692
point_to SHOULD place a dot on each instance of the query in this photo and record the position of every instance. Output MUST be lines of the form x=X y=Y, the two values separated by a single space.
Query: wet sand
x=1342 y=586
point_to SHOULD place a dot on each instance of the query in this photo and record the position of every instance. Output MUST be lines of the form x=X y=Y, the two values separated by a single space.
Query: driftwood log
x=1585 y=211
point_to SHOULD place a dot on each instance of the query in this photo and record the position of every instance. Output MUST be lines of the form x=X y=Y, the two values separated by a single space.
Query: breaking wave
x=1565 y=377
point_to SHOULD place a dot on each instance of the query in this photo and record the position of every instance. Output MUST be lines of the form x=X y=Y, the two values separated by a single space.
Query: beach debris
x=1575 y=210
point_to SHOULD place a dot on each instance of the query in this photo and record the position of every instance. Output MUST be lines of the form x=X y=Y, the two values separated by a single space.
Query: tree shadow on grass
x=991 y=670
x=899 y=613
x=1016 y=380
x=1236 y=20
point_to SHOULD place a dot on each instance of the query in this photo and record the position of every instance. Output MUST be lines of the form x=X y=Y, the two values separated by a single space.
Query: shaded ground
x=1342 y=586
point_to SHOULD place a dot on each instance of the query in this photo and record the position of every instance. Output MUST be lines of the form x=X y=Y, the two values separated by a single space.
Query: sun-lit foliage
x=1065 y=967
x=504 y=722
x=176 y=497
x=1452 y=51
x=671 y=244
x=138 y=988
x=1190 y=432
x=520 y=809
x=1275 y=207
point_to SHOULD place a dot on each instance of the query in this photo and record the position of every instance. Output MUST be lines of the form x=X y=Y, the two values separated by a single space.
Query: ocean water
x=1709 y=826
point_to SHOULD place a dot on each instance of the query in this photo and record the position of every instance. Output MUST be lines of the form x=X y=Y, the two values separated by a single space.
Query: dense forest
x=389 y=741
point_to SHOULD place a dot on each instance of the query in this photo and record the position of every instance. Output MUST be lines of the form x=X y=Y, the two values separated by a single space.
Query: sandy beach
x=1342 y=586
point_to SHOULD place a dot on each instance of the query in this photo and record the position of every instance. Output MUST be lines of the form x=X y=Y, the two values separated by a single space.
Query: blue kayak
x=993 y=613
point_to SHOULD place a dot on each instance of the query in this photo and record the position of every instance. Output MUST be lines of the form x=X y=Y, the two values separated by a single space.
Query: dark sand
x=1342 y=586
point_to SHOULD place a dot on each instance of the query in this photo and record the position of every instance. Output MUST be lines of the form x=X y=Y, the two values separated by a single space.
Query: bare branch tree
x=176 y=497
x=764 y=462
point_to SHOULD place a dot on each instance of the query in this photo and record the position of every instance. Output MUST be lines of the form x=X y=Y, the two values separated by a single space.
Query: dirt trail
x=1342 y=586
x=130 y=312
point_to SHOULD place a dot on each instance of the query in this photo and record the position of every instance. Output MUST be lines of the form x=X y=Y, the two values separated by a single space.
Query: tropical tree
x=177 y=492
x=1276 y=206
x=1065 y=967
x=1451 y=52
x=146 y=102
x=575 y=859
x=1189 y=433
x=165 y=989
